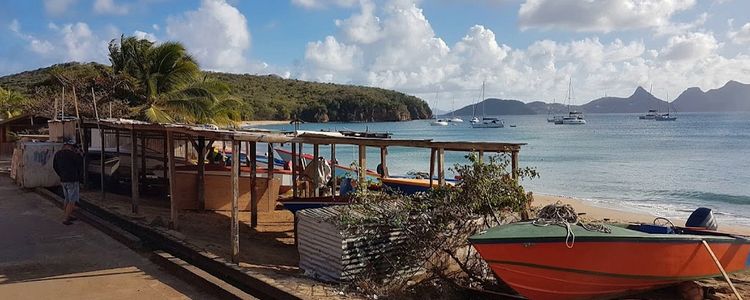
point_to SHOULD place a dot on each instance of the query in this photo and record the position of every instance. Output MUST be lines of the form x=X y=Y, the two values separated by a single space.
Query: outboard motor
x=702 y=218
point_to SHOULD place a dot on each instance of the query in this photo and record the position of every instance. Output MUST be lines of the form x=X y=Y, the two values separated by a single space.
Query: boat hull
x=596 y=270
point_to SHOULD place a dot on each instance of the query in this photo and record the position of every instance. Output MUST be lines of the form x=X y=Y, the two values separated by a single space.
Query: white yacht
x=486 y=122
x=439 y=122
x=573 y=117
x=436 y=121
x=453 y=118
x=650 y=115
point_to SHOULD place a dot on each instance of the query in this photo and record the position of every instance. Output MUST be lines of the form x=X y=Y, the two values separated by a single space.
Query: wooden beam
x=362 y=164
x=514 y=164
x=253 y=158
x=432 y=165
x=294 y=170
x=334 y=180
x=134 y=188
x=143 y=156
x=235 y=203
x=165 y=162
x=172 y=202
x=101 y=161
x=201 y=147
x=86 y=139
x=270 y=170
x=384 y=160
x=441 y=166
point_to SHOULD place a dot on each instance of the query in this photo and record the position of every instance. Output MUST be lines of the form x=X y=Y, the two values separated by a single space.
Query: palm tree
x=11 y=104
x=165 y=83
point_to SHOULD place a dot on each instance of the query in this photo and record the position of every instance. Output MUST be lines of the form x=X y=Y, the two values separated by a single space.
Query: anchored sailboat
x=487 y=122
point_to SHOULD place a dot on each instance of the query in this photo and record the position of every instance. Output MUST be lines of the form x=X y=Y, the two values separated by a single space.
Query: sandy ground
x=265 y=122
x=267 y=251
x=40 y=258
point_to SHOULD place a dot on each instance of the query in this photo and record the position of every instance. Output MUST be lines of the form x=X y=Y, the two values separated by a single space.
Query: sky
x=439 y=50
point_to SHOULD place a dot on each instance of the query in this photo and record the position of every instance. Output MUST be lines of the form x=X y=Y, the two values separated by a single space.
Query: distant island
x=267 y=97
x=733 y=96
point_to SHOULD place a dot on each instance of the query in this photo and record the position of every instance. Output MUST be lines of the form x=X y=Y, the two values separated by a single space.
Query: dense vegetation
x=272 y=97
x=137 y=87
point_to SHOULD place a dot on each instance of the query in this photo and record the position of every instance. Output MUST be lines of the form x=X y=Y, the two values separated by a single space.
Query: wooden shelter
x=23 y=124
x=185 y=137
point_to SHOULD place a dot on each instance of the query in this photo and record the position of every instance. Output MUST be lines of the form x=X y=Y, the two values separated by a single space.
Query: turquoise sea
x=662 y=168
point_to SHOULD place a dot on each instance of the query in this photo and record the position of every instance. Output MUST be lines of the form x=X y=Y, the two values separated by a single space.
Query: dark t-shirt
x=68 y=165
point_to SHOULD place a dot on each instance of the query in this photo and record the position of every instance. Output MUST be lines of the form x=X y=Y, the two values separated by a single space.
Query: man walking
x=68 y=165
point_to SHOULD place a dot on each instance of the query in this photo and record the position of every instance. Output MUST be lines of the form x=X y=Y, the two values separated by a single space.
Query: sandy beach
x=264 y=122
x=619 y=214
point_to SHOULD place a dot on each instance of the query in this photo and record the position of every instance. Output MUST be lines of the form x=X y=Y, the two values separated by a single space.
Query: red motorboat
x=537 y=262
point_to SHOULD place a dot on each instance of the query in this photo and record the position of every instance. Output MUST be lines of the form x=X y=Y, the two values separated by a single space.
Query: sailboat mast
x=484 y=112
x=570 y=83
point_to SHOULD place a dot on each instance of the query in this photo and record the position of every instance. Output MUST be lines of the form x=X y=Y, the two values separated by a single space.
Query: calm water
x=662 y=168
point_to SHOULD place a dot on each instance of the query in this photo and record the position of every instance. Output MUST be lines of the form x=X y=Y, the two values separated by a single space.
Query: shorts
x=71 y=192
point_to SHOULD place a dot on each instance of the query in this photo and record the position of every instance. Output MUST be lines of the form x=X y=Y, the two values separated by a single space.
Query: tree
x=11 y=103
x=166 y=83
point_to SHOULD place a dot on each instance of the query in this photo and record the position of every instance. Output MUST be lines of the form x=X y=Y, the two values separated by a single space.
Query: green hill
x=268 y=97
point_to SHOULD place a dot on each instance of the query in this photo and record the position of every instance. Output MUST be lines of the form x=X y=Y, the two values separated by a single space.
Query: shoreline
x=620 y=214
x=264 y=122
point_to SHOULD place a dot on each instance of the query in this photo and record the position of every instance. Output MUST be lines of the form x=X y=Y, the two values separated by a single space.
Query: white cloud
x=741 y=35
x=403 y=52
x=145 y=35
x=323 y=3
x=331 y=58
x=363 y=27
x=110 y=7
x=600 y=15
x=57 y=7
x=690 y=47
x=68 y=42
x=216 y=34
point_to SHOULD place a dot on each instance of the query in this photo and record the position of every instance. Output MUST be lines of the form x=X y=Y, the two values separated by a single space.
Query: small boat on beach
x=539 y=262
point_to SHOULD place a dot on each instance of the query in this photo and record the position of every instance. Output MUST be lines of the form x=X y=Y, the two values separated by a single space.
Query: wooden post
x=514 y=164
x=134 y=188
x=334 y=180
x=432 y=165
x=117 y=141
x=172 y=205
x=441 y=166
x=235 y=203
x=86 y=140
x=362 y=164
x=295 y=193
x=383 y=161
x=481 y=155
x=721 y=269
x=253 y=158
x=270 y=169
x=316 y=151
x=101 y=176
x=201 y=173
x=165 y=161
x=143 y=156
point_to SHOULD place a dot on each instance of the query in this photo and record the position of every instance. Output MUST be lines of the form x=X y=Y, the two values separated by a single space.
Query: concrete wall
x=219 y=192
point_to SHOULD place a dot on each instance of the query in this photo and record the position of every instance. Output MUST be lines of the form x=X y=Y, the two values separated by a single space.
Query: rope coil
x=565 y=215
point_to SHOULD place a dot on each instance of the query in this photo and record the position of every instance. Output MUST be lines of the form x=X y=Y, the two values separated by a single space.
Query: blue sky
x=523 y=49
